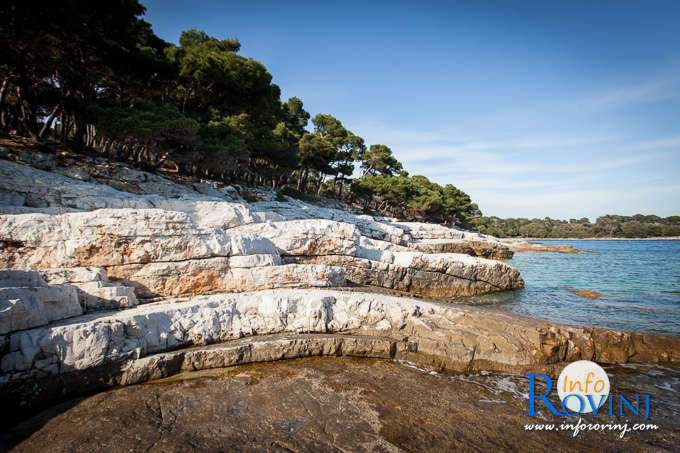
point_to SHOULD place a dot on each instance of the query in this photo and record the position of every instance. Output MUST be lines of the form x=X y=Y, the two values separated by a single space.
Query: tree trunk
x=65 y=126
x=48 y=122
x=79 y=134
x=24 y=116
x=340 y=190
x=302 y=179
x=320 y=183
x=3 y=90
x=335 y=184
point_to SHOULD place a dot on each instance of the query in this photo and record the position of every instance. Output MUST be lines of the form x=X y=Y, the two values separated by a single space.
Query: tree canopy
x=93 y=75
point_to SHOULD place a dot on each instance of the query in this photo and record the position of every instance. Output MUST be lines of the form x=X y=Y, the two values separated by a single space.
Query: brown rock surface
x=587 y=293
x=483 y=249
x=315 y=405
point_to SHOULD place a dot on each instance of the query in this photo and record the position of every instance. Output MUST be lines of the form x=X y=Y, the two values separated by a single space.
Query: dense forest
x=637 y=226
x=93 y=76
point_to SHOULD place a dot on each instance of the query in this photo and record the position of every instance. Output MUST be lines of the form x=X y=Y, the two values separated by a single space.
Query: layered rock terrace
x=110 y=275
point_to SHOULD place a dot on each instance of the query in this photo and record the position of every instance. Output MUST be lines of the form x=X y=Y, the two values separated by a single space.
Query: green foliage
x=161 y=125
x=415 y=198
x=280 y=197
x=296 y=116
x=294 y=193
x=93 y=74
x=330 y=149
x=637 y=226
x=315 y=153
x=379 y=160
x=64 y=56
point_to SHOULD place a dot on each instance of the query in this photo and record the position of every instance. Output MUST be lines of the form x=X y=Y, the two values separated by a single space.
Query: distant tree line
x=615 y=226
x=93 y=75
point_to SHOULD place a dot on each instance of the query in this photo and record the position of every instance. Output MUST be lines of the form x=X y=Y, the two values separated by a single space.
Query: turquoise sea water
x=641 y=280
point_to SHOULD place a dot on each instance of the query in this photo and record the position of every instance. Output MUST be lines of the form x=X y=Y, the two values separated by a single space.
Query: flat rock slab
x=318 y=404
x=521 y=246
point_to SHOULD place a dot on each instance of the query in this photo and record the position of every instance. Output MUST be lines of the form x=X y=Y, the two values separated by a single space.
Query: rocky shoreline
x=113 y=276
x=660 y=238
x=157 y=340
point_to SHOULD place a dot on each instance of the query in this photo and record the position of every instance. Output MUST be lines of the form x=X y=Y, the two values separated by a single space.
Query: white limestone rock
x=115 y=237
x=61 y=276
x=28 y=307
x=169 y=249
x=222 y=274
x=452 y=337
x=308 y=237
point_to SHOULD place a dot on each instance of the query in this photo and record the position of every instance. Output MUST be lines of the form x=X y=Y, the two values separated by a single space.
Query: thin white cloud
x=664 y=143
x=513 y=177
x=415 y=146
x=649 y=91
x=610 y=164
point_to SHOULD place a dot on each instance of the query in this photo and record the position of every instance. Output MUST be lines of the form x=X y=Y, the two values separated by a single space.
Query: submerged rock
x=587 y=293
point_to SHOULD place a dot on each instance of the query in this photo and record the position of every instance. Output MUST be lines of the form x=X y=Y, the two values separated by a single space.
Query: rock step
x=31 y=299
x=25 y=395
x=162 y=253
x=211 y=275
x=444 y=333
x=27 y=307
x=442 y=276
x=483 y=249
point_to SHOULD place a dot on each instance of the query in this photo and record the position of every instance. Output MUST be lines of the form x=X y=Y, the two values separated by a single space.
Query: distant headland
x=639 y=226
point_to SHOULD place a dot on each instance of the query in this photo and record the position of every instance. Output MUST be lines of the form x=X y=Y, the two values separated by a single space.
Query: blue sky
x=561 y=109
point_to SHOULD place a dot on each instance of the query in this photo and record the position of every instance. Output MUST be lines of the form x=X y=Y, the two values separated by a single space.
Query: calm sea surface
x=640 y=278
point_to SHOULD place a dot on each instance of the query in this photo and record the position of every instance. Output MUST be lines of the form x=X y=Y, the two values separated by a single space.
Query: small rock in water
x=587 y=293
